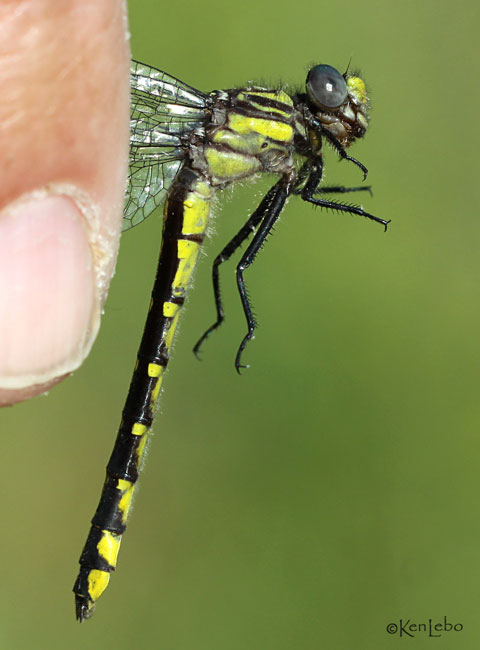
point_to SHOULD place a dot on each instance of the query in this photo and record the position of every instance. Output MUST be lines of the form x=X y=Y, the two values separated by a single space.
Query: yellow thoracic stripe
x=279 y=97
x=273 y=129
x=224 y=165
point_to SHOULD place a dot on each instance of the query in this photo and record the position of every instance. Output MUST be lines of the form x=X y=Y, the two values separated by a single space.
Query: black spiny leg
x=278 y=194
x=341 y=189
x=310 y=188
x=305 y=171
x=245 y=231
x=317 y=125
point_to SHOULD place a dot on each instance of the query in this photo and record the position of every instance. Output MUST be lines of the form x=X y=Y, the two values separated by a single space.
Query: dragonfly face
x=185 y=146
x=339 y=102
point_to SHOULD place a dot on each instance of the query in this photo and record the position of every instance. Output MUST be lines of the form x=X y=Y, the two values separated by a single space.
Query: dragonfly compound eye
x=326 y=88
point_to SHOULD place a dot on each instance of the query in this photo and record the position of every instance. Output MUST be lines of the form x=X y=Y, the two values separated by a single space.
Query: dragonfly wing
x=163 y=110
x=146 y=190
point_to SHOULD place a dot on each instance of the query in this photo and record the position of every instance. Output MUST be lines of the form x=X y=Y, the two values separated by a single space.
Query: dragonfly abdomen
x=185 y=221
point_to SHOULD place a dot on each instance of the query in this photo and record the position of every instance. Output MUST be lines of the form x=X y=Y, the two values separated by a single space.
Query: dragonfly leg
x=341 y=189
x=277 y=197
x=339 y=148
x=245 y=231
x=310 y=188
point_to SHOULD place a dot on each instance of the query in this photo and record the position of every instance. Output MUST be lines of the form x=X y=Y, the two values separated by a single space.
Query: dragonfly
x=185 y=146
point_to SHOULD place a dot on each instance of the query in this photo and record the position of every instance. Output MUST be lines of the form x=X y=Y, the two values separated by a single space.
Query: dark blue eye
x=326 y=87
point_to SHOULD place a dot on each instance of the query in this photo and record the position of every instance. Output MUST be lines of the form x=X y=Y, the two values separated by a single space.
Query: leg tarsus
x=218 y=304
x=311 y=187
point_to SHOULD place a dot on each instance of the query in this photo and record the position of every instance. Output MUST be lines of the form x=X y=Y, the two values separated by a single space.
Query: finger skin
x=64 y=122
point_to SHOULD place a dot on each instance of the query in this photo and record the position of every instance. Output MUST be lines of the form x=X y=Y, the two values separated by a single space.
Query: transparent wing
x=163 y=109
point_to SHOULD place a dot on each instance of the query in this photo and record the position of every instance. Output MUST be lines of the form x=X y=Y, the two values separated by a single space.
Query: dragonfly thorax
x=248 y=131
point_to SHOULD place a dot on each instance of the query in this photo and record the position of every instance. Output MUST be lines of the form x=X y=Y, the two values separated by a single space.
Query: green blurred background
x=333 y=488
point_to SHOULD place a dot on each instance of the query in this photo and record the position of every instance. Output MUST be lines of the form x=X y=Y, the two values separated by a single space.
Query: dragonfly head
x=338 y=101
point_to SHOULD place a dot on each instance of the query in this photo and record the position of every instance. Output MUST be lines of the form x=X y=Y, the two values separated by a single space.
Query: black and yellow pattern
x=186 y=214
x=186 y=145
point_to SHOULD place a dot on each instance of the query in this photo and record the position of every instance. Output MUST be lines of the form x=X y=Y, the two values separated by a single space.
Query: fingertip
x=49 y=290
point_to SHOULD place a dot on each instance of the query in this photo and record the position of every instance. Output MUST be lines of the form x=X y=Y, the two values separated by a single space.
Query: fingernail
x=48 y=302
